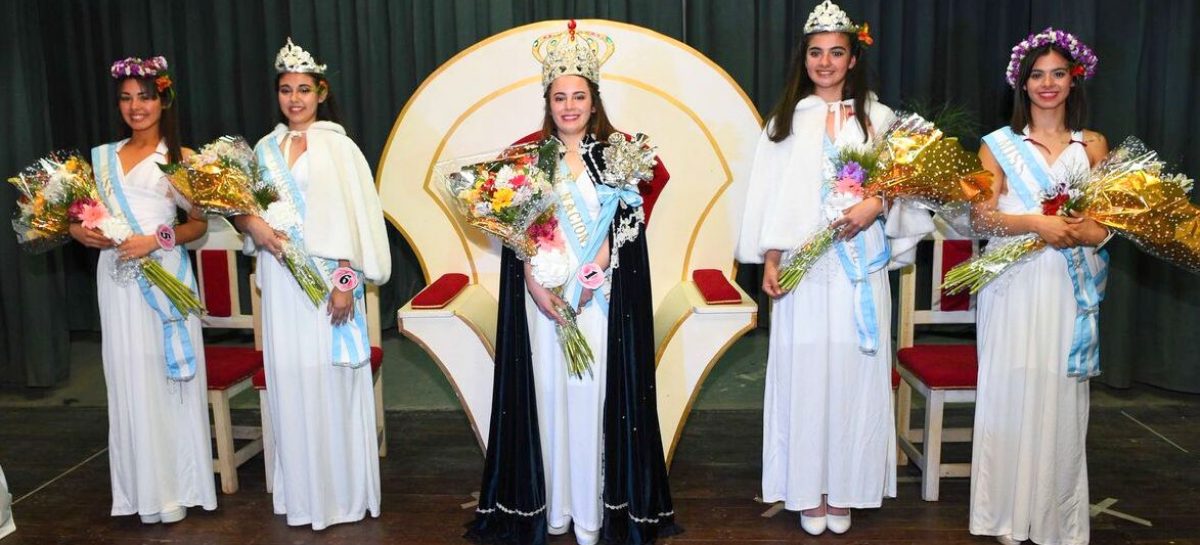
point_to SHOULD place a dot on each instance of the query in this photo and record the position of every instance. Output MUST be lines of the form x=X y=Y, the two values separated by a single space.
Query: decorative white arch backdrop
x=488 y=96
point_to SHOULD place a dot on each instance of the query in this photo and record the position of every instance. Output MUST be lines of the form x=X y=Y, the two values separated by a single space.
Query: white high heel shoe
x=813 y=525
x=1008 y=540
x=173 y=515
x=838 y=524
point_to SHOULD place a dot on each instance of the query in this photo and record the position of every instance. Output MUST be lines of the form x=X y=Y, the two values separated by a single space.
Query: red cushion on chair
x=214 y=268
x=376 y=358
x=228 y=365
x=942 y=366
x=259 y=380
x=955 y=252
x=441 y=291
x=715 y=288
x=895 y=379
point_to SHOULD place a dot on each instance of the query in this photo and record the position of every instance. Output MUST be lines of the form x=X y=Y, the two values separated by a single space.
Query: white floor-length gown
x=828 y=423
x=1029 y=465
x=159 y=452
x=323 y=416
x=7 y=524
x=571 y=410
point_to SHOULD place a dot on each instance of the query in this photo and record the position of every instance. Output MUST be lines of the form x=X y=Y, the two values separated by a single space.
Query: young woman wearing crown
x=158 y=436
x=828 y=427
x=319 y=389
x=1037 y=325
x=578 y=452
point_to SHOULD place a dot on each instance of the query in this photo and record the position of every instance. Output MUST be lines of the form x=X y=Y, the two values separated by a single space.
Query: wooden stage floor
x=1147 y=457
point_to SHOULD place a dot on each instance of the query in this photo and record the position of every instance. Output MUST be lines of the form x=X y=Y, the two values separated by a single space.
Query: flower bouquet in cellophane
x=1128 y=192
x=912 y=162
x=46 y=189
x=61 y=188
x=510 y=195
x=225 y=179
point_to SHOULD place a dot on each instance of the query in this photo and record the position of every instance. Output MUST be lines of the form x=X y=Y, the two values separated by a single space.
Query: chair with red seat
x=259 y=382
x=941 y=373
x=229 y=368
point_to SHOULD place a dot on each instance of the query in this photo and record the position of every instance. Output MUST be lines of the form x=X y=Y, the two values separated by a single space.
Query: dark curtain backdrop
x=58 y=94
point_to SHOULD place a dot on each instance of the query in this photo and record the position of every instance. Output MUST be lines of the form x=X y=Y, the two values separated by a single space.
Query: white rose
x=551 y=268
x=115 y=229
x=837 y=203
x=281 y=215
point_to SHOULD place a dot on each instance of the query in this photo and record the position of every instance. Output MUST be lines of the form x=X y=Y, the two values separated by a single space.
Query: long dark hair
x=799 y=85
x=598 y=124
x=168 y=124
x=326 y=110
x=1077 y=101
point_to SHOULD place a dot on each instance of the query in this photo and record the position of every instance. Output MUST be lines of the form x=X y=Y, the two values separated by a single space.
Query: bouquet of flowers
x=225 y=179
x=60 y=188
x=46 y=189
x=911 y=162
x=504 y=196
x=1129 y=193
x=510 y=196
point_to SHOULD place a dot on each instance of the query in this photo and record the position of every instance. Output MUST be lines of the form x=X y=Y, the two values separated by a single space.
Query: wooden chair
x=229 y=368
x=259 y=382
x=941 y=373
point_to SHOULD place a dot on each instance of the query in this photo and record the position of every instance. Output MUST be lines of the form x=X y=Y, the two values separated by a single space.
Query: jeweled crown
x=293 y=58
x=828 y=17
x=572 y=53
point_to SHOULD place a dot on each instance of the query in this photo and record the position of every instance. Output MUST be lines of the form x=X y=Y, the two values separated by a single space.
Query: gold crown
x=572 y=53
x=293 y=58
x=828 y=17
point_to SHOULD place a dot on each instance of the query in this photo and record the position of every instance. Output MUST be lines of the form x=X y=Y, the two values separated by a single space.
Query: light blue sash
x=351 y=344
x=597 y=227
x=179 y=353
x=853 y=256
x=1030 y=181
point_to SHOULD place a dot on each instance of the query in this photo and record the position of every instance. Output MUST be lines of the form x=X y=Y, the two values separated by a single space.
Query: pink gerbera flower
x=89 y=212
x=850 y=186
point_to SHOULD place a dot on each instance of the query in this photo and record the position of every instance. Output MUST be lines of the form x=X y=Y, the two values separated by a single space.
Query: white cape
x=783 y=204
x=344 y=219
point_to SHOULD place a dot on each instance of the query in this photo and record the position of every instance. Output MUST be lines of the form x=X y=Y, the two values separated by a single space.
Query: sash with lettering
x=351 y=345
x=586 y=233
x=1029 y=180
x=178 y=350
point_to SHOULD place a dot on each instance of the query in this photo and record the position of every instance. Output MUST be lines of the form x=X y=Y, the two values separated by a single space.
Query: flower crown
x=572 y=53
x=1083 y=59
x=293 y=58
x=154 y=67
x=828 y=17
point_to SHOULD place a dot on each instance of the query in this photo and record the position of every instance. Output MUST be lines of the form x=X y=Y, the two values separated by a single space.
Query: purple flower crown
x=138 y=68
x=1081 y=54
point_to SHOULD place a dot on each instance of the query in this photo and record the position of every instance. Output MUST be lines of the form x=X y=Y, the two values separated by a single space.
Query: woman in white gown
x=577 y=454
x=1036 y=326
x=159 y=453
x=828 y=432
x=319 y=388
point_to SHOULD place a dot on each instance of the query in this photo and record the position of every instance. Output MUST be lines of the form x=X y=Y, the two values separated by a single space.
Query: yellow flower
x=469 y=195
x=502 y=198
